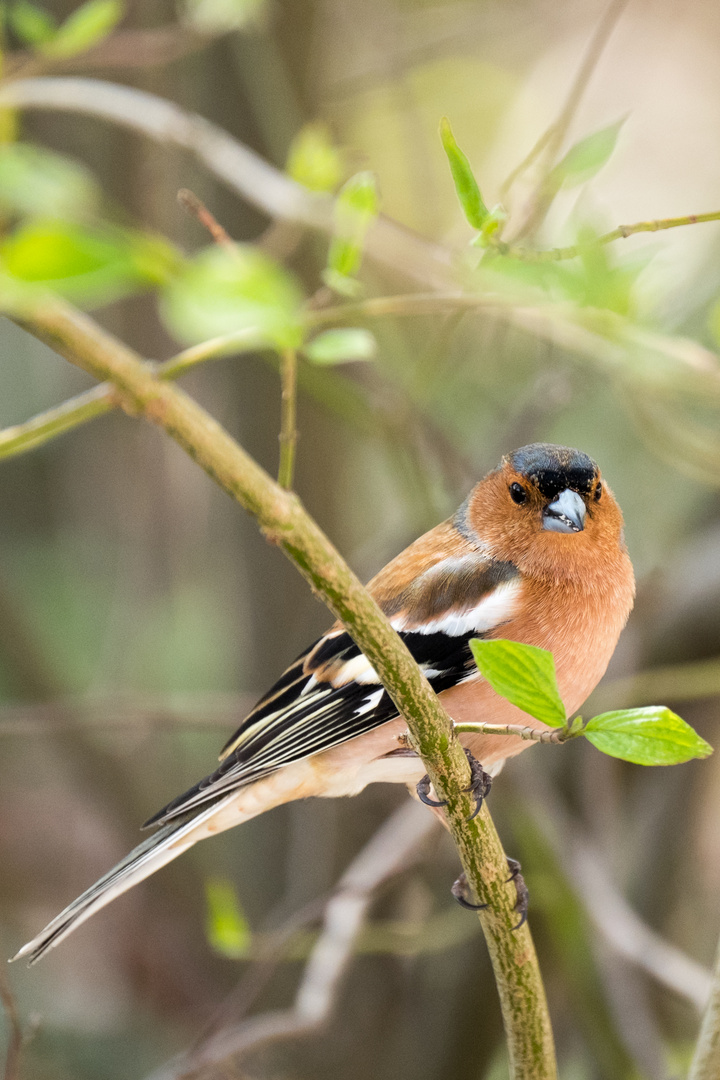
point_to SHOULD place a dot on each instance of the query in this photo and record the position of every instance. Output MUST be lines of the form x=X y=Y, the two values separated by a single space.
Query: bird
x=536 y=554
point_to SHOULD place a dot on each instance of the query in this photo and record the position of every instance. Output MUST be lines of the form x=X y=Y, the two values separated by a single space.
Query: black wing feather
x=300 y=716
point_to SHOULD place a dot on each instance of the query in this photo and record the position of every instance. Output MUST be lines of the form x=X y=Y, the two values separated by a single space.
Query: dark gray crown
x=554 y=468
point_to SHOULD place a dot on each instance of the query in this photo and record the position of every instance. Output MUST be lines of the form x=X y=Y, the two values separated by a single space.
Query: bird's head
x=547 y=509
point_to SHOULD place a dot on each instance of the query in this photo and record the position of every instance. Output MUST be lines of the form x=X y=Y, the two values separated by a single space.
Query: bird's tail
x=162 y=847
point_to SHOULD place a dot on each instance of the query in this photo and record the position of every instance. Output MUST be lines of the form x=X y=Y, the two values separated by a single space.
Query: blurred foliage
x=314 y=160
x=127 y=579
x=85 y=27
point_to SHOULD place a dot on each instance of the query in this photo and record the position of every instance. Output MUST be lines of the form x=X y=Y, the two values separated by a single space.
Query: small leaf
x=466 y=185
x=38 y=182
x=586 y=158
x=356 y=207
x=314 y=161
x=523 y=674
x=31 y=24
x=649 y=736
x=223 y=292
x=91 y=266
x=87 y=26
x=341 y=346
x=226 y=927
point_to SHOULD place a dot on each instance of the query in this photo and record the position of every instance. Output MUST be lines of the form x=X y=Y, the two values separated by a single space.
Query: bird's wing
x=331 y=693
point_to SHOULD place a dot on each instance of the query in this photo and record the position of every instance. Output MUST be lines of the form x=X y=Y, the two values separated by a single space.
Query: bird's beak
x=566 y=514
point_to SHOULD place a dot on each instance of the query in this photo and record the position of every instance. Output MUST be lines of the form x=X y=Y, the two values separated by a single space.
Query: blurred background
x=141 y=611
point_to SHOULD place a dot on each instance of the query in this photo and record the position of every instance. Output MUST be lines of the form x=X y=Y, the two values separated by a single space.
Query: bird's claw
x=459 y=890
x=423 y=793
x=523 y=895
x=480 y=783
x=479 y=786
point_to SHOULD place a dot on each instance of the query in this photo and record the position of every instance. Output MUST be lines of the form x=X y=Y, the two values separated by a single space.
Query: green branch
x=529 y=734
x=620 y=233
x=78 y=410
x=283 y=521
x=288 y=427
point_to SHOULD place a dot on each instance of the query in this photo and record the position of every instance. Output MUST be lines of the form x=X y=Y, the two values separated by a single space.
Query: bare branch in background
x=621 y=927
x=185 y=711
x=550 y=142
x=394 y=847
x=239 y=168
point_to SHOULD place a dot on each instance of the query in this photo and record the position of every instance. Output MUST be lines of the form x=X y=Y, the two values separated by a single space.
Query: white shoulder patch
x=493 y=610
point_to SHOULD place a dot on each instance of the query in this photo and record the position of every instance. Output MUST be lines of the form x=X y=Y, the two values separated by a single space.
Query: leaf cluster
x=525 y=676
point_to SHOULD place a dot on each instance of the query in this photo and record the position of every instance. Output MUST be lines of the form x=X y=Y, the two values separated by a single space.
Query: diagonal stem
x=284 y=522
x=288 y=425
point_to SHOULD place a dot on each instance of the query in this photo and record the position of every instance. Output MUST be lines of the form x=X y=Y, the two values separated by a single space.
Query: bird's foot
x=459 y=890
x=480 y=783
x=523 y=895
x=479 y=786
x=423 y=793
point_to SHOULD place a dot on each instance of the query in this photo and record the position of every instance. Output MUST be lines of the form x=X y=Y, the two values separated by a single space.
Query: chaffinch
x=535 y=553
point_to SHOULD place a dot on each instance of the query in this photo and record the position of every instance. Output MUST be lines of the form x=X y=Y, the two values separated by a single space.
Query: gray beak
x=566 y=514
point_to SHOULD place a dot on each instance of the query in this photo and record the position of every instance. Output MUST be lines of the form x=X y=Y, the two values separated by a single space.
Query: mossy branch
x=283 y=520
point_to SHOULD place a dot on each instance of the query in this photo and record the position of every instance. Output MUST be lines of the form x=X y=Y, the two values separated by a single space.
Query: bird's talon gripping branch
x=459 y=891
x=480 y=783
x=423 y=793
x=523 y=895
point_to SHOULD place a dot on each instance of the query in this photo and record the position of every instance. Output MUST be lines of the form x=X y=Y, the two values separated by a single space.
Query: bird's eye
x=518 y=494
x=598 y=492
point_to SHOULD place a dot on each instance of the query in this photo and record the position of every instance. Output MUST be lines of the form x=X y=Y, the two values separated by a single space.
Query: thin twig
x=620 y=233
x=550 y=143
x=15 y=1033
x=195 y=206
x=53 y=422
x=396 y=844
x=241 y=170
x=288 y=422
x=529 y=734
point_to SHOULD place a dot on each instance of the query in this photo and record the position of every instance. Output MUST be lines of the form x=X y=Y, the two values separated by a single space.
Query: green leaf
x=586 y=158
x=341 y=346
x=314 y=161
x=466 y=185
x=649 y=736
x=32 y=25
x=523 y=674
x=87 y=26
x=223 y=292
x=226 y=927
x=90 y=266
x=356 y=207
x=36 y=182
